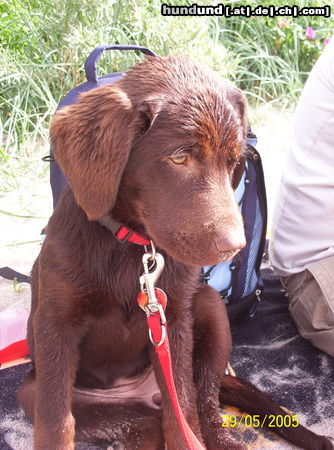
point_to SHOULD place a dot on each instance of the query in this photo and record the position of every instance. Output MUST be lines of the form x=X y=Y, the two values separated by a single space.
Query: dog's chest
x=115 y=345
x=114 y=332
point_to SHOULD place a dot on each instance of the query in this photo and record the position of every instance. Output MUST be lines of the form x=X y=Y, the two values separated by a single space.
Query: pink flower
x=282 y=23
x=310 y=33
x=327 y=41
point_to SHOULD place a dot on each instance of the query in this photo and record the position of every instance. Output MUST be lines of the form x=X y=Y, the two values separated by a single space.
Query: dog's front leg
x=181 y=348
x=212 y=347
x=56 y=359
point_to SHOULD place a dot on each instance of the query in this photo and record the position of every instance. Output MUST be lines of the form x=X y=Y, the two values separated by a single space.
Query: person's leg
x=311 y=303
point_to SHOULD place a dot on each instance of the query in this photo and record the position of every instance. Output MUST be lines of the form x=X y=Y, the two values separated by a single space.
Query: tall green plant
x=275 y=55
x=44 y=43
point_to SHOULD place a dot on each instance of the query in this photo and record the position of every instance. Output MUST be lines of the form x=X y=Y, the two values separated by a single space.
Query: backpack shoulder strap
x=10 y=274
x=91 y=61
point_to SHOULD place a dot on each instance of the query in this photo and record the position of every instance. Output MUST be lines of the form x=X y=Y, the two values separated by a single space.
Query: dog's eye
x=179 y=159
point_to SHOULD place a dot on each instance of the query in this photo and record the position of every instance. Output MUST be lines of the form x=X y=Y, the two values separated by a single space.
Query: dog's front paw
x=54 y=438
x=216 y=437
x=222 y=440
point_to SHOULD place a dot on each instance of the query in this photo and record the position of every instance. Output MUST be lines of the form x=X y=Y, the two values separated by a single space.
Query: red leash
x=153 y=301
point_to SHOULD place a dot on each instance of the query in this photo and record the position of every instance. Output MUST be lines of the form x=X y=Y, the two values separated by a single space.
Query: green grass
x=274 y=56
x=44 y=44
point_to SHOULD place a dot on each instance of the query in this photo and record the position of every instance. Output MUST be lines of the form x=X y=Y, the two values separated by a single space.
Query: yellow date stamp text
x=257 y=421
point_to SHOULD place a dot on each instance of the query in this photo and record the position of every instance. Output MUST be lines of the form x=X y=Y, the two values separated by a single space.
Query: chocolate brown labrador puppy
x=158 y=151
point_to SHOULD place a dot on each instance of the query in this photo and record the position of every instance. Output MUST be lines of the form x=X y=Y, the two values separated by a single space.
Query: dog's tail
x=265 y=412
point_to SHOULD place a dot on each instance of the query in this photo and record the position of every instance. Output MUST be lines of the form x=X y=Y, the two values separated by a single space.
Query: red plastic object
x=14 y=351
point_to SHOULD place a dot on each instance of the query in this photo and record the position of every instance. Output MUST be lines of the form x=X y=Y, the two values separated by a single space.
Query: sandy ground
x=19 y=237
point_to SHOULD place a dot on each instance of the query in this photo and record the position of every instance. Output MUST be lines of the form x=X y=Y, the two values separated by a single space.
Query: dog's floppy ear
x=92 y=140
x=238 y=101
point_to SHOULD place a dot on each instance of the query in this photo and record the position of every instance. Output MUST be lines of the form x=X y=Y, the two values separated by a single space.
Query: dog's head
x=161 y=150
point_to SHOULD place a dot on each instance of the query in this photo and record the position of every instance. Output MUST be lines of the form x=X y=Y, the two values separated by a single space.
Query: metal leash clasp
x=151 y=274
x=153 y=263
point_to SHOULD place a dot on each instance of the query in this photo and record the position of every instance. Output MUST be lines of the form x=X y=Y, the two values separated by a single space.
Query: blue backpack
x=238 y=281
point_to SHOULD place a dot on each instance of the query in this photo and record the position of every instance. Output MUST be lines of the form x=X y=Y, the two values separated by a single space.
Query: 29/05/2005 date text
x=256 y=421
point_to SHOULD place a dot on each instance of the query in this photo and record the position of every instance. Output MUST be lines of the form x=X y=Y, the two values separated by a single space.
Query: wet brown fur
x=116 y=147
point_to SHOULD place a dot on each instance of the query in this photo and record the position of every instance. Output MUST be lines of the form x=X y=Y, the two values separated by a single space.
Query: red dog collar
x=123 y=233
